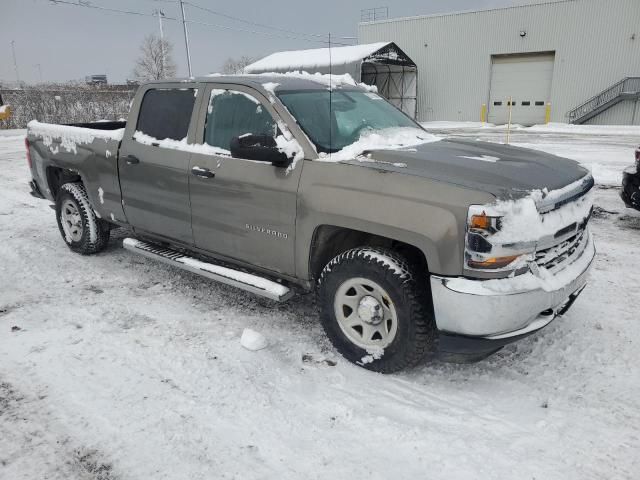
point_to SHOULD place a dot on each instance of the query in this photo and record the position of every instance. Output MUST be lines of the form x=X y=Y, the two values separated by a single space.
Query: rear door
x=154 y=163
x=247 y=211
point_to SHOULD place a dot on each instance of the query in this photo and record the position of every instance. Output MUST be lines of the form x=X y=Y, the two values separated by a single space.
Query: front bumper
x=475 y=316
x=630 y=192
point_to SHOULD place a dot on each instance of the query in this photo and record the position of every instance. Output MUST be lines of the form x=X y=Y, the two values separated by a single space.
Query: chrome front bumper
x=507 y=309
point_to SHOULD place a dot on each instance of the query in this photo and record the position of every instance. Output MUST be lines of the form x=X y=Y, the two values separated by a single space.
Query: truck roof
x=278 y=82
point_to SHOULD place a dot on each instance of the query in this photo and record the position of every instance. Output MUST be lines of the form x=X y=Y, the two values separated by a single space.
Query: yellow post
x=5 y=112
x=509 y=125
x=483 y=113
x=547 y=113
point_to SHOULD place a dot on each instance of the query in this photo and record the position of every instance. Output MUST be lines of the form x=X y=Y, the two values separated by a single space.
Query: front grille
x=552 y=257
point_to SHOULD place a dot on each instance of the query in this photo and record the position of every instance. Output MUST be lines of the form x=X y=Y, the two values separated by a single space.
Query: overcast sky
x=70 y=42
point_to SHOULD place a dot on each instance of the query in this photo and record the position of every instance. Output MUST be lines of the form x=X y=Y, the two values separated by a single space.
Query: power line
x=268 y=34
x=256 y=24
x=85 y=4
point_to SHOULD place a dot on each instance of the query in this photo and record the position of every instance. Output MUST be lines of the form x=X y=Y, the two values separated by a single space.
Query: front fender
x=427 y=214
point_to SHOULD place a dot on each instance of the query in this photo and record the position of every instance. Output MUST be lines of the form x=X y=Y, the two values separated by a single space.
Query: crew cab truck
x=286 y=183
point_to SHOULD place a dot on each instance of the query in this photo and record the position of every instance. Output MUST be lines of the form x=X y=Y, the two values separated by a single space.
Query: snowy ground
x=115 y=367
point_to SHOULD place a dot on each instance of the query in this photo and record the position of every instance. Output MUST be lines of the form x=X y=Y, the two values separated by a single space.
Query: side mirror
x=258 y=147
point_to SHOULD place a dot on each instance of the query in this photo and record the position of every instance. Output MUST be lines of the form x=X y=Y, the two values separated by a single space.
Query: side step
x=245 y=281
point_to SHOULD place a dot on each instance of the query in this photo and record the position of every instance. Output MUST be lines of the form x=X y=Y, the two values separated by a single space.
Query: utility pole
x=39 y=71
x=186 y=38
x=160 y=14
x=15 y=63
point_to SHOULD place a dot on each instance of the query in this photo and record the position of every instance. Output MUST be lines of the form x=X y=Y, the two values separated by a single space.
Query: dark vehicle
x=631 y=184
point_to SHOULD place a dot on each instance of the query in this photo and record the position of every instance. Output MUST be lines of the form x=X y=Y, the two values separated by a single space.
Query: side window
x=165 y=113
x=232 y=114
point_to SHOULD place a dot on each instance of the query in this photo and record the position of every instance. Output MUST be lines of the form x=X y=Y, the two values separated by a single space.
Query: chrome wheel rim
x=365 y=313
x=71 y=221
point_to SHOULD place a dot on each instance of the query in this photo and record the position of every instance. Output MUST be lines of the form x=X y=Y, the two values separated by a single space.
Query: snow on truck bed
x=123 y=368
x=71 y=136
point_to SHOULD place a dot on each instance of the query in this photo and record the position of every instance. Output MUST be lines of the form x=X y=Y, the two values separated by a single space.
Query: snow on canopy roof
x=316 y=58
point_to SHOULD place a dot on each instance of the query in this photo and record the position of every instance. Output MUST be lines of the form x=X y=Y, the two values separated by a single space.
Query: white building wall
x=596 y=43
x=624 y=113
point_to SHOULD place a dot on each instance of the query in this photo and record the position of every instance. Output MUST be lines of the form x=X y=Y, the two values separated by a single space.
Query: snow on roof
x=314 y=58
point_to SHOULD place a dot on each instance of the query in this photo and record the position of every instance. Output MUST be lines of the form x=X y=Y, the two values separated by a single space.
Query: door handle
x=202 y=172
x=132 y=160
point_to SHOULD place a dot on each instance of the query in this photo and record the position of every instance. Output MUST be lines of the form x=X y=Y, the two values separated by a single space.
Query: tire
x=81 y=229
x=362 y=329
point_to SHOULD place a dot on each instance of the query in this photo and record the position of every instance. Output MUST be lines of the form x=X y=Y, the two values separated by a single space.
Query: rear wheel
x=375 y=311
x=81 y=229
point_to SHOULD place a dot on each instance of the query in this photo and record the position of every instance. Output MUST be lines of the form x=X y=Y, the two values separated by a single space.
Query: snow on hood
x=387 y=139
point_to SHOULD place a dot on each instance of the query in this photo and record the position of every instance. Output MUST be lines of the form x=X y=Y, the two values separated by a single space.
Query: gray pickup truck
x=285 y=183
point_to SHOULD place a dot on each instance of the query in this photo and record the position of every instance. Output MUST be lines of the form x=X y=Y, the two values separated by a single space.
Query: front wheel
x=81 y=229
x=374 y=311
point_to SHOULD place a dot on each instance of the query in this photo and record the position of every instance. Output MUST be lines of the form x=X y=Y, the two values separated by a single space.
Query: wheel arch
x=328 y=241
x=58 y=176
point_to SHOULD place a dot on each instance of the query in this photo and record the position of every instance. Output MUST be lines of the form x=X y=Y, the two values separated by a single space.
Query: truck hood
x=504 y=171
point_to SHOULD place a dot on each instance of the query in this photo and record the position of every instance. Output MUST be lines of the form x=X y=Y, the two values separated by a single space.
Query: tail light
x=26 y=145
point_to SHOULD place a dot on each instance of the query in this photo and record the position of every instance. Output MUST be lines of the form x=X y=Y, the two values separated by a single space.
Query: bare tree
x=155 y=61
x=233 y=66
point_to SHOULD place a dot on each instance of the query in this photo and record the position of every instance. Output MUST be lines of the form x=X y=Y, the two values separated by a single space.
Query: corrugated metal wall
x=592 y=40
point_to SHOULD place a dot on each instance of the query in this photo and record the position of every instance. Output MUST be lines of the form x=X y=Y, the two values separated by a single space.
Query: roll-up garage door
x=522 y=83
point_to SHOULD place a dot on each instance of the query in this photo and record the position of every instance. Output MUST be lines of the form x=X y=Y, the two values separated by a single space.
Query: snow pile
x=252 y=340
x=386 y=139
x=70 y=136
x=523 y=222
x=315 y=58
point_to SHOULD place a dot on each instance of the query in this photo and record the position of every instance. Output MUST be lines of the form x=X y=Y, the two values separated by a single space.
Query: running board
x=245 y=281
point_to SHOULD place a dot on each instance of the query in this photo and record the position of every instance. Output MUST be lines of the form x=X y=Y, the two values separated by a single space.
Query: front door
x=154 y=171
x=247 y=211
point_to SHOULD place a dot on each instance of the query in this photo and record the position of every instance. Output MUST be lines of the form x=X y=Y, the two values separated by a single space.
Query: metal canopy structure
x=382 y=64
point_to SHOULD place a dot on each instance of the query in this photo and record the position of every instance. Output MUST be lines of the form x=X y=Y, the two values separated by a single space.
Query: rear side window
x=165 y=113
x=232 y=114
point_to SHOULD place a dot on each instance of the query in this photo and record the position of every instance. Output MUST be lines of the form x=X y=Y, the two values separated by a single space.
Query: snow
x=101 y=195
x=546 y=128
x=604 y=150
x=134 y=369
x=543 y=280
x=252 y=340
x=386 y=139
x=201 y=148
x=312 y=59
x=70 y=136
x=246 y=278
x=522 y=222
x=328 y=80
x=271 y=87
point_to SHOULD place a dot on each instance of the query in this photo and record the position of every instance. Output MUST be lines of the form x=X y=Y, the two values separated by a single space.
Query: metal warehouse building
x=572 y=61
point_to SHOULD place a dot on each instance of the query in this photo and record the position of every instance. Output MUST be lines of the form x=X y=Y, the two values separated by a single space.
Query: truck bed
x=89 y=150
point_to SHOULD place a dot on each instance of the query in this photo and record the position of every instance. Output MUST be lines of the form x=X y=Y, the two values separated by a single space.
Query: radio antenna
x=330 y=97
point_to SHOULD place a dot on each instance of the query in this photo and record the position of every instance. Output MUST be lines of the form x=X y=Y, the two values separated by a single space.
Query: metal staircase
x=625 y=89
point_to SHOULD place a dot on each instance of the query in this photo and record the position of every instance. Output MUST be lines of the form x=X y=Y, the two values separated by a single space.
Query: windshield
x=352 y=114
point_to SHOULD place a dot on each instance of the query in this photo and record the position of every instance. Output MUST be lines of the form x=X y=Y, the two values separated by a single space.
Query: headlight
x=481 y=253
